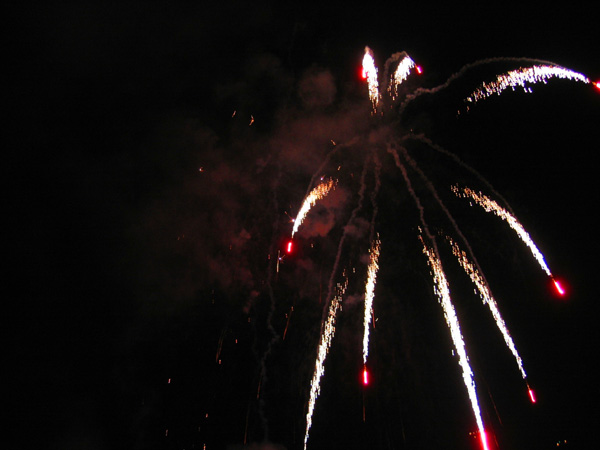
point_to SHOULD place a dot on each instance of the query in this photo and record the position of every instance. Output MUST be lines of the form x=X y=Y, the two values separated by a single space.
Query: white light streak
x=523 y=77
x=370 y=294
x=442 y=290
x=491 y=206
x=486 y=295
x=316 y=194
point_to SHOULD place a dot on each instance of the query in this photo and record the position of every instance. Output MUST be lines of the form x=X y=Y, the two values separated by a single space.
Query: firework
x=325 y=343
x=315 y=195
x=487 y=298
x=492 y=206
x=370 y=74
x=404 y=66
x=523 y=77
x=369 y=295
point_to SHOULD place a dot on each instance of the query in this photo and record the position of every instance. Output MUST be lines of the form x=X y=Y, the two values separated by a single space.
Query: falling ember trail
x=324 y=345
x=558 y=286
x=491 y=206
x=487 y=298
x=370 y=294
x=531 y=395
x=316 y=194
x=442 y=290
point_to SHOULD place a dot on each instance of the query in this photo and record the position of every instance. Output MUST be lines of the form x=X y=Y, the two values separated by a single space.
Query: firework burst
x=390 y=102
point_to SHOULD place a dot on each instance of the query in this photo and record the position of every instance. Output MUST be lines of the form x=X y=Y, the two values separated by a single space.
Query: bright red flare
x=484 y=443
x=558 y=287
x=289 y=247
x=532 y=395
x=365 y=376
x=419 y=69
x=597 y=85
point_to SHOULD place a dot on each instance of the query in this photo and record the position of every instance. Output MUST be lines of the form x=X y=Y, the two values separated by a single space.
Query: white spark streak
x=370 y=293
x=442 y=290
x=370 y=73
x=524 y=76
x=491 y=206
x=316 y=194
x=401 y=74
x=323 y=350
x=486 y=295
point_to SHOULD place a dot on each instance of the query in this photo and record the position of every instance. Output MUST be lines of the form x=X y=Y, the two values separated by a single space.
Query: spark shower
x=387 y=101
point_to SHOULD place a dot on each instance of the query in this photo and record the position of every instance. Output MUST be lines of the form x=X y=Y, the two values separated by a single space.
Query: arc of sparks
x=487 y=298
x=524 y=76
x=492 y=206
x=311 y=199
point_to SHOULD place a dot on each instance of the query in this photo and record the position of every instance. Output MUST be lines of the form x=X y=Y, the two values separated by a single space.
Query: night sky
x=155 y=156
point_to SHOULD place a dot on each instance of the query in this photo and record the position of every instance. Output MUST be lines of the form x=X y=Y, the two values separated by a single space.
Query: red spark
x=597 y=85
x=484 y=443
x=365 y=377
x=531 y=395
x=419 y=69
x=558 y=287
x=289 y=247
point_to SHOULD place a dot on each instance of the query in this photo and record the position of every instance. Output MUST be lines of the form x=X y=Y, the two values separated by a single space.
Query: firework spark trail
x=370 y=294
x=316 y=194
x=370 y=73
x=422 y=138
x=488 y=299
x=442 y=290
x=524 y=76
x=424 y=91
x=329 y=319
x=401 y=73
x=325 y=343
x=491 y=206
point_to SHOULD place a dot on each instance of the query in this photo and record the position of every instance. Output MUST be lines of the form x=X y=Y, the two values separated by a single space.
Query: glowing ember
x=558 y=287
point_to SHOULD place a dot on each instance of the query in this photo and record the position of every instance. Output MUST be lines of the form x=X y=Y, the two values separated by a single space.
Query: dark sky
x=154 y=154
